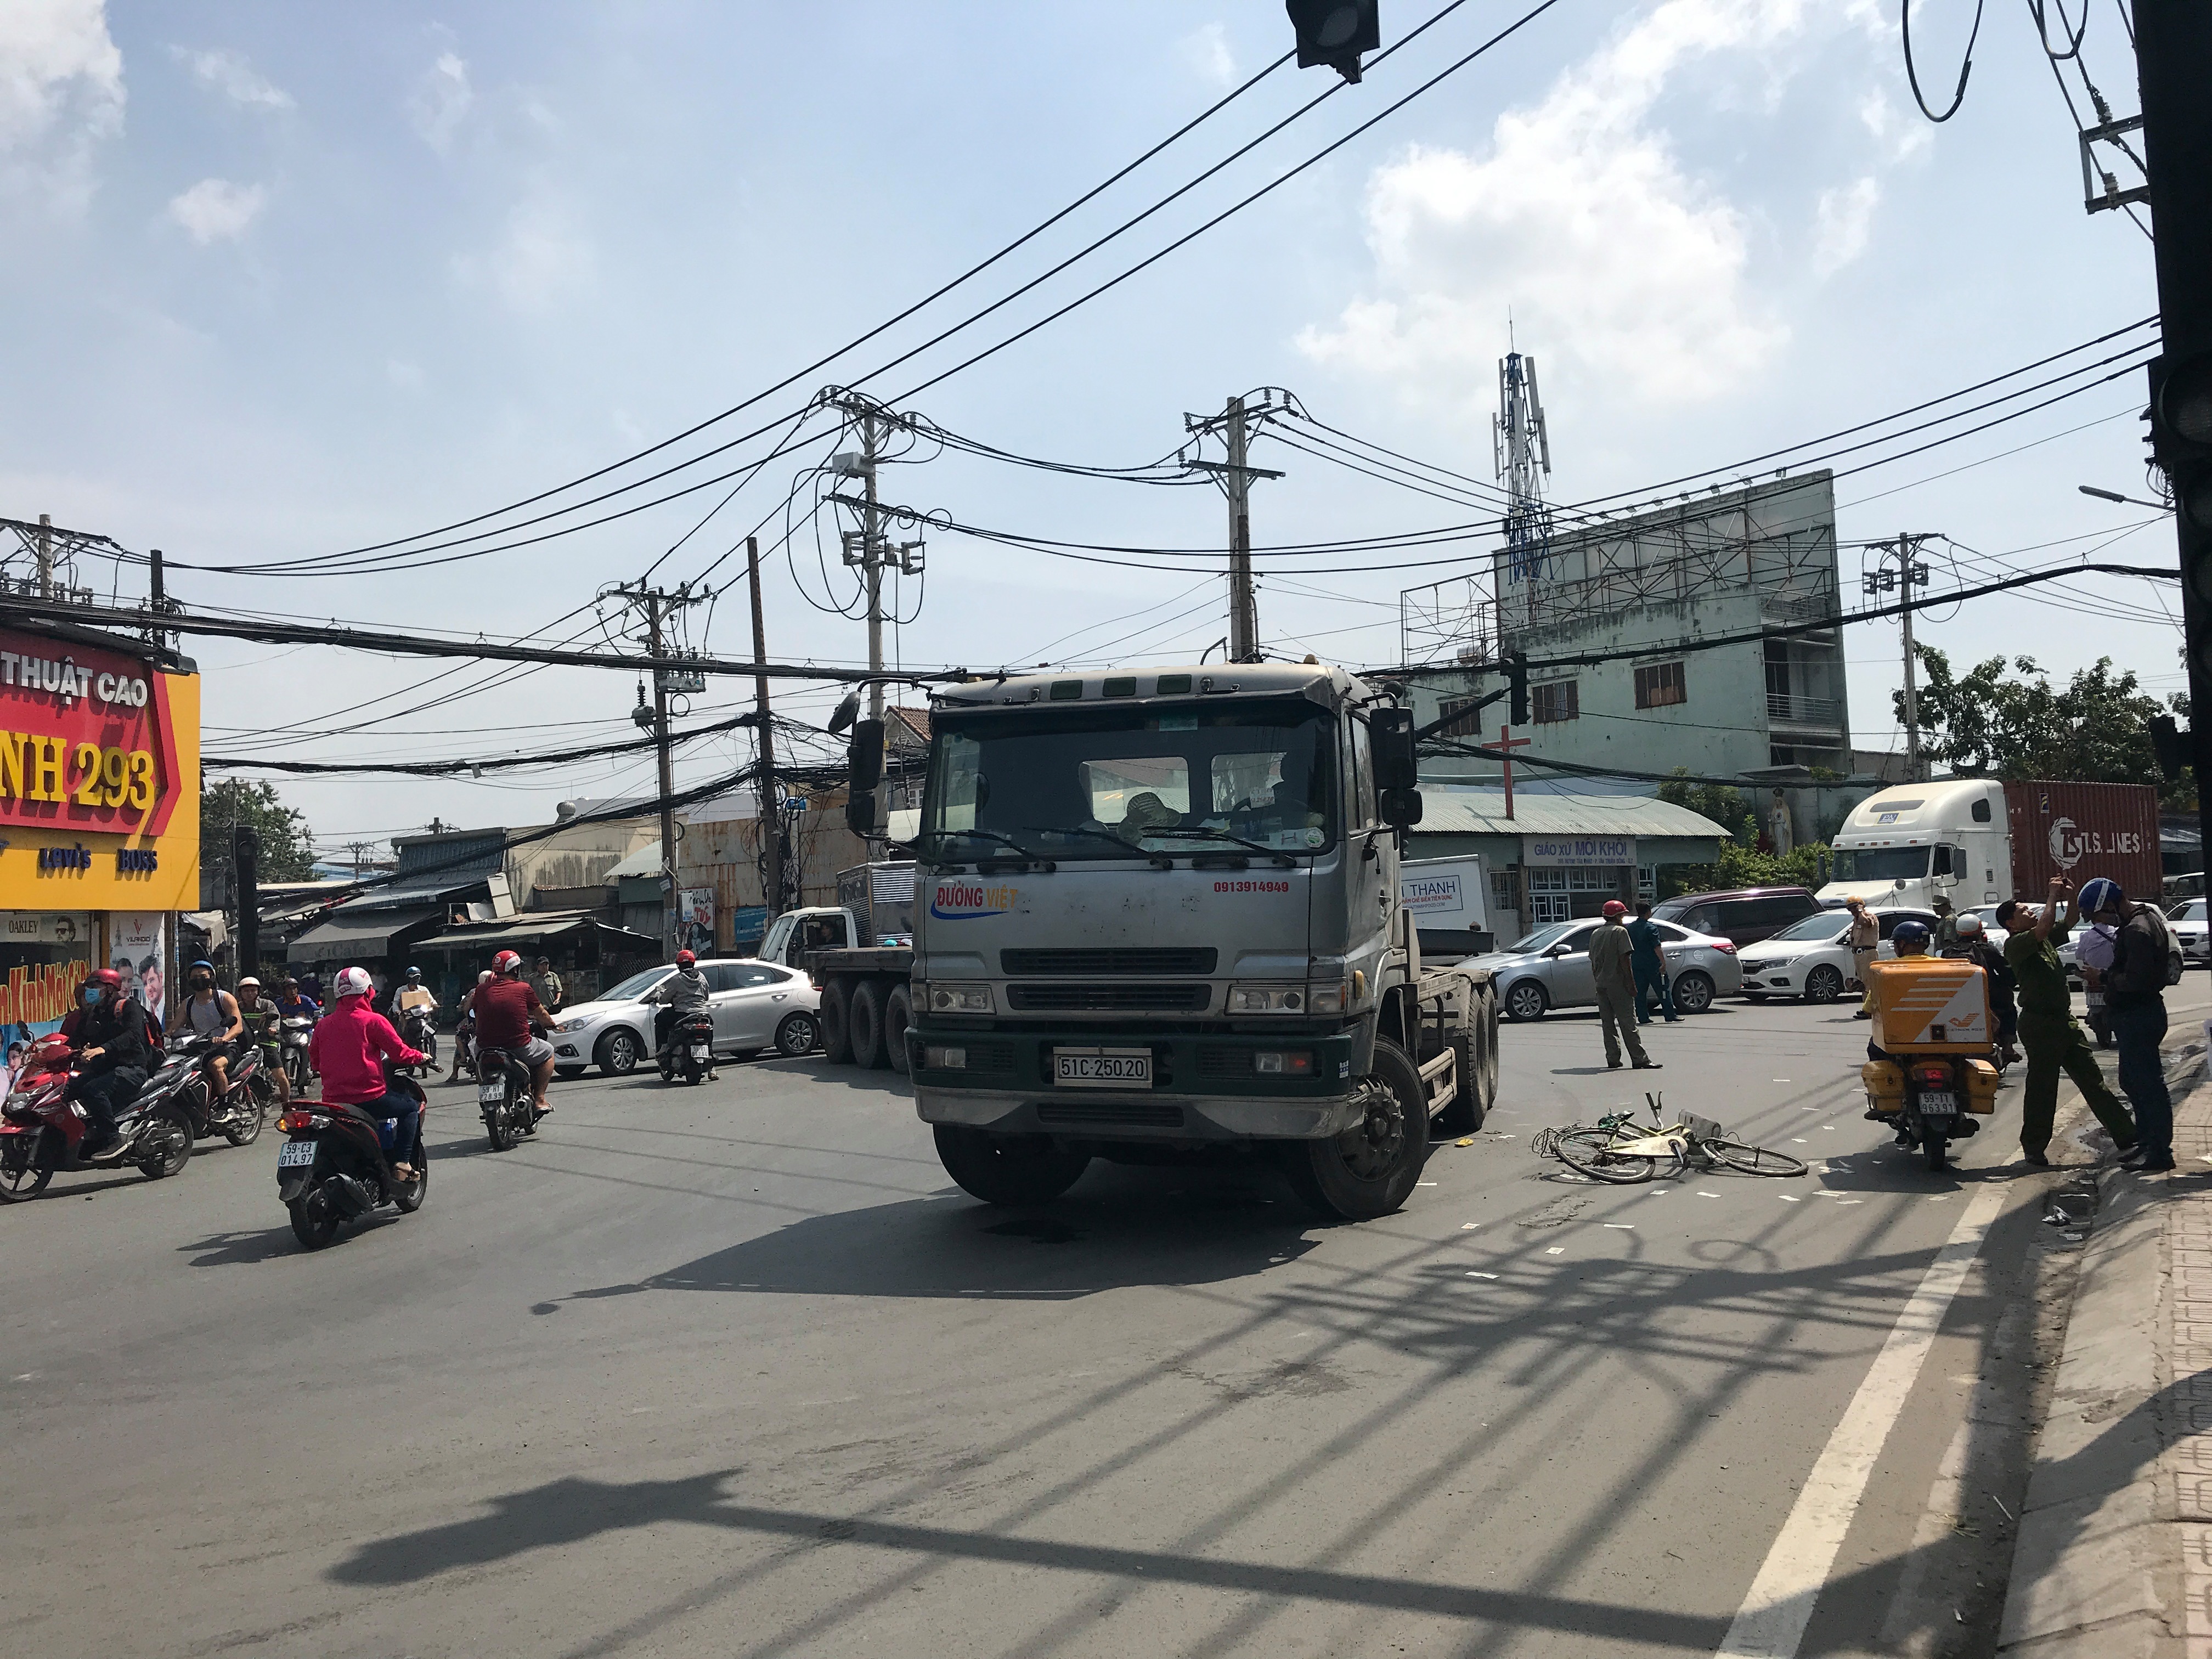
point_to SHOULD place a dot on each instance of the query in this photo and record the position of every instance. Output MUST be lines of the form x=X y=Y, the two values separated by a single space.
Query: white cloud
x=1901 y=136
x=215 y=209
x=1581 y=220
x=228 y=73
x=61 y=93
x=441 y=101
x=544 y=258
x=1206 y=50
x=1841 y=223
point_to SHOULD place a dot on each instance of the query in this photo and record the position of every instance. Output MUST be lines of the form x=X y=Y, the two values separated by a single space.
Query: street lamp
x=2131 y=500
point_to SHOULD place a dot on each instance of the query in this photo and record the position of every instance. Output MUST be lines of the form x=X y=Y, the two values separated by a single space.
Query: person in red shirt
x=348 y=1049
x=506 y=1008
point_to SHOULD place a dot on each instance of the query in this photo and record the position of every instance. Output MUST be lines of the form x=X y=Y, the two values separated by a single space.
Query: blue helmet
x=414 y=973
x=2101 y=894
x=1910 y=937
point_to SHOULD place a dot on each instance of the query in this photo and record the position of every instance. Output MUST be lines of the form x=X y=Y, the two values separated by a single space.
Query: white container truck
x=1158 y=918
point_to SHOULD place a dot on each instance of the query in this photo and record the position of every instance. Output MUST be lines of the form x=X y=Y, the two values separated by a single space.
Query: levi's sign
x=86 y=742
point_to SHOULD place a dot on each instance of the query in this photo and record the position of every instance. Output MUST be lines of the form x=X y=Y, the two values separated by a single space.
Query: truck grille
x=1109 y=999
x=1032 y=964
x=1140 y=1115
x=1224 y=1062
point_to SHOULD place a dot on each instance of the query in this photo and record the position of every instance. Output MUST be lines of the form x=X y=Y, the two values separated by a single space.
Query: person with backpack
x=107 y=1037
x=212 y=1012
x=2135 y=1000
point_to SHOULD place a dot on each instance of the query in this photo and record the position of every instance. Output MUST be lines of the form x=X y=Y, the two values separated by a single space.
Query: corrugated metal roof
x=1482 y=812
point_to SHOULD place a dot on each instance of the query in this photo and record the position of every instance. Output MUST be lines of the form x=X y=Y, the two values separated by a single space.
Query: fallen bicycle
x=1622 y=1151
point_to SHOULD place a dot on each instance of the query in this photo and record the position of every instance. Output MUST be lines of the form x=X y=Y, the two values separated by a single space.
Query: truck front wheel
x=898 y=1014
x=837 y=1021
x=1013 y=1170
x=1370 y=1170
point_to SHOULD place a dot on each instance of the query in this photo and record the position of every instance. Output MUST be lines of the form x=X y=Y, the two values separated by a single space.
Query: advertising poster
x=44 y=959
x=695 y=919
x=136 y=944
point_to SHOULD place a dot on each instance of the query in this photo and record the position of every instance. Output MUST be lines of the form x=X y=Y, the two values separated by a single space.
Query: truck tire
x=836 y=1013
x=1473 y=1073
x=864 y=1022
x=1369 y=1171
x=898 y=1014
x=1490 y=1047
x=1013 y=1170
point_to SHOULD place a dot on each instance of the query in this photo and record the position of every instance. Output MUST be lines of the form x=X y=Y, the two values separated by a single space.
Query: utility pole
x=872 y=530
x=44 y=556
x=658 y=604
x=771 y=806
x=2173 y=66
x=1908 y=573
x=1236 y=476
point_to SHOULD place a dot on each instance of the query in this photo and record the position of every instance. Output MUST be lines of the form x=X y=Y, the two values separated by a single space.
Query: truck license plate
x=1941 y=1102
x=296 y=1155
x=1102 y=1068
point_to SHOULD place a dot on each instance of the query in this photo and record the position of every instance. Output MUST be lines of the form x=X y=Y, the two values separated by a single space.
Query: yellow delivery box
x=1931 y=1006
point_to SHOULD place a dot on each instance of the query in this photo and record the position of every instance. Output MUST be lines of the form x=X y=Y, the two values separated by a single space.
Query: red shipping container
x=2079 y=830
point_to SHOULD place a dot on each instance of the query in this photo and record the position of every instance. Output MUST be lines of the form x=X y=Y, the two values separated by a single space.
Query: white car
x=1812 y=958
x=2191 y=930
x=756 y=1004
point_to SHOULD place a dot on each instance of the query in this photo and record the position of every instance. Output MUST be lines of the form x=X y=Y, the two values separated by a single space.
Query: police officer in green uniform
x=2048 y=1029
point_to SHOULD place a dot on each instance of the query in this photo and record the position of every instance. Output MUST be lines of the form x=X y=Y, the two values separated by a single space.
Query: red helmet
x=685 y=959
x=505 y=963
x=107 y=978
x=1615 y=908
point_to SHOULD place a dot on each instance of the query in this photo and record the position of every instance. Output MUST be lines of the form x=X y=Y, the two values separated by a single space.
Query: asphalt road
x=738 y=1371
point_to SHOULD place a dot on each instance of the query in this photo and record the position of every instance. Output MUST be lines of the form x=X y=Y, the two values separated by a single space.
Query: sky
x=292 y=281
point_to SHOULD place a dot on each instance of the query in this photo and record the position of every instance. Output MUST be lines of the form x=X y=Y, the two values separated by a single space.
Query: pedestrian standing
x=1866 y=941
x=547 y=984
x=1650 y=966
x=1614 y=974
x=2134 y=1001
x=1947 y=926
x=2047 y=1028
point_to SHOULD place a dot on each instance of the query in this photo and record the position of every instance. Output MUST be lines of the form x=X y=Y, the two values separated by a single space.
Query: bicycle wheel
x=1590 y=1152
x=1752 y=1160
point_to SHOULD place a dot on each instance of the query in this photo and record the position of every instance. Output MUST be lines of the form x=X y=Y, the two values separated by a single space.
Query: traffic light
x=2171 y=743
x=1335 y=33
x=864 y=775
x=1517 y=676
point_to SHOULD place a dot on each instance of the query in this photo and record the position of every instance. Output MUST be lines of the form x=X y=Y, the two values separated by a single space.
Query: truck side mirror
x=1390 y=738
x=1401 y=808
x=864 y=759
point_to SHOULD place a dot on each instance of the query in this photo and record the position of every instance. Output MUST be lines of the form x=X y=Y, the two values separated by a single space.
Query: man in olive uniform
x=2048 y=1030
x=1611 y=969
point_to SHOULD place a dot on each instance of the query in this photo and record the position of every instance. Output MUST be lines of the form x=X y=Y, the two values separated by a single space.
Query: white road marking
x=1469 y=1226
x=1622 y=1226
x=1482 y=1275
x=1556 y=1249
x=1772 y=1622
x=1787 y=1199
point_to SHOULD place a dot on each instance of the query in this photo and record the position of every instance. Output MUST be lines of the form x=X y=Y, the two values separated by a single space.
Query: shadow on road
x=1134 y=1227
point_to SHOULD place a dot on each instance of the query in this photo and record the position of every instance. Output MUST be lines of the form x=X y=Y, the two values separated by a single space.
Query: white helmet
x=484 y=976
x=1969 y=925
x=354 y=982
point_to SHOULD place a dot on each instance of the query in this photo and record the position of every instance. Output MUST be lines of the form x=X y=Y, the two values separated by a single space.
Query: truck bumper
x=1204 y=1086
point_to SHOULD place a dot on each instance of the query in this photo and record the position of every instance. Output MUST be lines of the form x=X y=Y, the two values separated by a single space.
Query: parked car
x=756 y=1004
x=1745 y=916
x=2192 y=930
x=1812 y=958
x=1550 y=969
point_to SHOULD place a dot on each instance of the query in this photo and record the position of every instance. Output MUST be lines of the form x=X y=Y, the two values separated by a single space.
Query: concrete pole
x=771 y=811
x=1243 y=614
x=667 y=773
x=1906 y=549
x=872 y=565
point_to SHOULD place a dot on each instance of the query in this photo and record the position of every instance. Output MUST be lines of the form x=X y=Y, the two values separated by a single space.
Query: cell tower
x=1522 y=452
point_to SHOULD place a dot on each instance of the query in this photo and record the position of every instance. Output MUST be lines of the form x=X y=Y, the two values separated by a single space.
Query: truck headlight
x=943 y=1060
x=1284 y=1062
x=1332 y=998
x=1266 y=999
x=953 y=998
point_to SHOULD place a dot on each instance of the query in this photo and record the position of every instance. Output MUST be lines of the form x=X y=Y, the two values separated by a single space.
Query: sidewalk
x=2113 y=1556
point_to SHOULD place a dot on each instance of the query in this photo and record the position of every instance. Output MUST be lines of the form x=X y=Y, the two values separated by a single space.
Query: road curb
x=2113 y=1555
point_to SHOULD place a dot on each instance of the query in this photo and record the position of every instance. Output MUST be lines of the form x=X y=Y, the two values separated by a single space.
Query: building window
x=1647 y=880
x=1469 y=713
x=1502 y=897
x=1555 y=701
x=1591 y=881
x=1659 y=686
x=1548 y=900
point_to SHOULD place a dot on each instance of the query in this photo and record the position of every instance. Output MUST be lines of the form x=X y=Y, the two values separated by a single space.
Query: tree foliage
x=288 y=851
x=1740 y=862
x=2010 y=721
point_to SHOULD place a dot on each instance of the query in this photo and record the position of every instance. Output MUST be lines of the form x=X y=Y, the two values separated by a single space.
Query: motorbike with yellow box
x=1928 y=1073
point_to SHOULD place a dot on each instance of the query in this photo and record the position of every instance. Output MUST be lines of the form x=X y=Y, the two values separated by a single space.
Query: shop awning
x=510 y=935
x=354 y=933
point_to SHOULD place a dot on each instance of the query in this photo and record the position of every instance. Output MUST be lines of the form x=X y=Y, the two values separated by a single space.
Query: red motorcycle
x=43 y=1131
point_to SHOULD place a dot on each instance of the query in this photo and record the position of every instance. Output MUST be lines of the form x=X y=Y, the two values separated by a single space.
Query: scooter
x=42 y=1131
x=505 y=1097
x=464 y=1050
x=187 y=1080
x=418 y=1029
x=335 y=1165
x=690 y=1046
x=298 y=1031
x=1928 y=1072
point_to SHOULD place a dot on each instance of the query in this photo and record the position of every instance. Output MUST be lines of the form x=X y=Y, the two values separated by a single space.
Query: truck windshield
x=1104 y=783
x=1881 y=863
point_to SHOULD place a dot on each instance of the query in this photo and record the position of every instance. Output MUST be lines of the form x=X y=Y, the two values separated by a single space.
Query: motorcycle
x=464 y=1050
x=298 y=1030
x=42 y=1131
x=335 y=1165
x=1927 y=1073
x=690 y=1046
x=185 y=1079
x=418 y=1029
x=505 y=1097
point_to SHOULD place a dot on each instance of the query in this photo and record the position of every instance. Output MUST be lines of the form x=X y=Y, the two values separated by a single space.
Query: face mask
x=91 y=996
x=202 y=983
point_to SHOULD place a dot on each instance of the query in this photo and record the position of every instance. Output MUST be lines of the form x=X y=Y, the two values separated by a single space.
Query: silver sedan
x=1550 y=969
